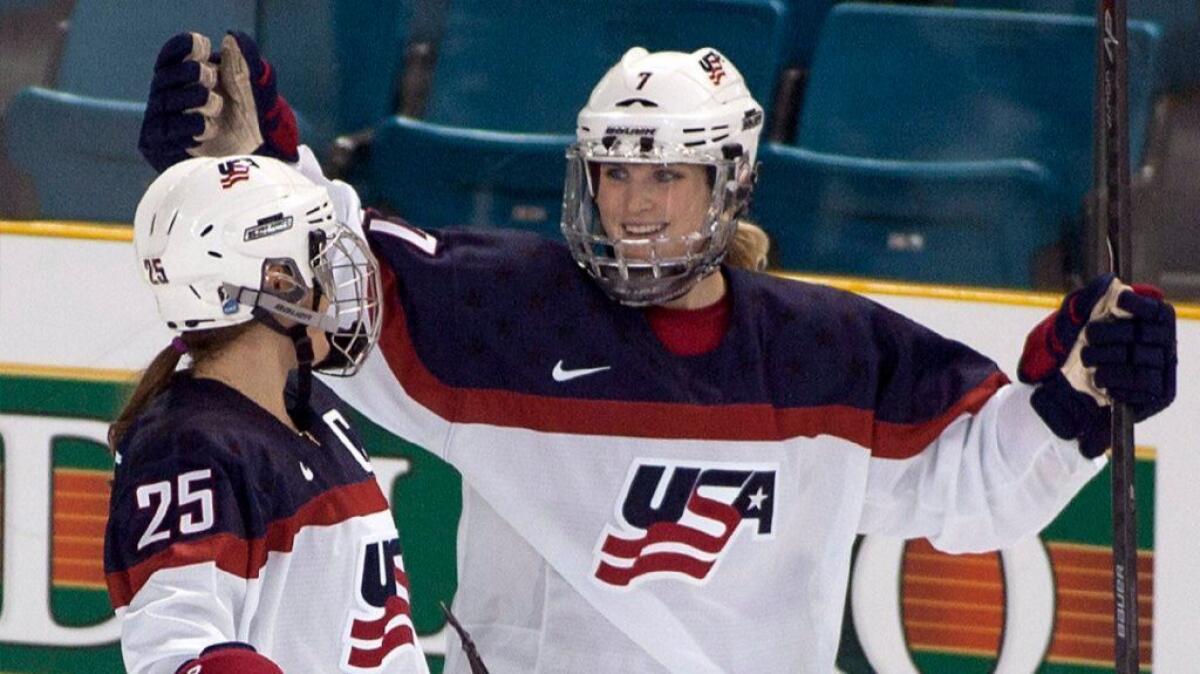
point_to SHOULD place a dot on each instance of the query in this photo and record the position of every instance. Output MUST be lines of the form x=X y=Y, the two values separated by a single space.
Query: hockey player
x=246 y=532
x=666 y=458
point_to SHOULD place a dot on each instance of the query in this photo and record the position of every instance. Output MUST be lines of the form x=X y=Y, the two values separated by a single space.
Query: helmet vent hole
x=694 y=143
x=213 y=253
x=194 y=292
x=720 y=138
x=152 y=219
x=174 y=217
x=203 y=233
x=314 y=210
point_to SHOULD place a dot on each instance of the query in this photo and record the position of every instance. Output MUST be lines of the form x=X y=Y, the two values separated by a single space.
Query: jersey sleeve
x=959 y=456
x=180 y=551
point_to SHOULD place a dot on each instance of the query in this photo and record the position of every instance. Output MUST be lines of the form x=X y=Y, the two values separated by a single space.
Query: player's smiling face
x=652 y=201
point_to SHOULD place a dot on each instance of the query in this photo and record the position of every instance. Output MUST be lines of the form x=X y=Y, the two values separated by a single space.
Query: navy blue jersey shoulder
x=200 y=436
x=498 y=309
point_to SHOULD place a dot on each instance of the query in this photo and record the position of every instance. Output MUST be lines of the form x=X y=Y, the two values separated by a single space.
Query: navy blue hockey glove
x=229 y=658
x=1107 y=342
x=209 y=105
x=183 y=107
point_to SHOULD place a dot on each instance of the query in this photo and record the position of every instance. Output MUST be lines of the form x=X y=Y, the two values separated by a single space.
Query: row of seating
x=77 y=141
x=935 y=144
x=930 y=138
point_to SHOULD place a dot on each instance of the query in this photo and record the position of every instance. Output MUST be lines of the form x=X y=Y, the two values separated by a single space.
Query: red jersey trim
x=750 y=422
x=245 y=558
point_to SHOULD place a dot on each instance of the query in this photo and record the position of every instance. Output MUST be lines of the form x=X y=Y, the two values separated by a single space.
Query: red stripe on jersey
x=245 y=558
x=903 y=441
x=753 y=422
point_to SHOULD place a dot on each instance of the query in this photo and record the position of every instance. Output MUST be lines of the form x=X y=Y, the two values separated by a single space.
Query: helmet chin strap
x=298 y=407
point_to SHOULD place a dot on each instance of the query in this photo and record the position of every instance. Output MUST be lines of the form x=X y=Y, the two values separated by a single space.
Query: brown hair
x=201 y=345
x=749 y=247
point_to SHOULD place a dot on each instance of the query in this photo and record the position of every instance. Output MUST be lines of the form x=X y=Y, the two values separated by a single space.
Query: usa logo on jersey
x=677 y=519
x=383 y=622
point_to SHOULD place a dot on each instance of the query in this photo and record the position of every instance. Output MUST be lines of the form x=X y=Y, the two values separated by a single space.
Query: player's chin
x=320 y=344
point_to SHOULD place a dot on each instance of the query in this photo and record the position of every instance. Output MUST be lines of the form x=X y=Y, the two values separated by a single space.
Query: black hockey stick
x=1112 y=183
x=468 y=646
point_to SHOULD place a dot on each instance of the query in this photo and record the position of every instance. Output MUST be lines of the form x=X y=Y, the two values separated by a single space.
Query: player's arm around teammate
x=247 y=533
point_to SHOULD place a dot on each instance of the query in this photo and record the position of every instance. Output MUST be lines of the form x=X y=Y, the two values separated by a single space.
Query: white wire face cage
x=346 y=274
x=639 y=270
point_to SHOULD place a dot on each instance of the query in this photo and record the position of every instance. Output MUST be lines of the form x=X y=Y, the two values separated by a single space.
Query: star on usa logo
x=678 y=519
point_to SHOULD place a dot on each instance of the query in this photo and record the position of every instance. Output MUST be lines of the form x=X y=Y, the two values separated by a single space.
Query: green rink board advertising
x=83 y=325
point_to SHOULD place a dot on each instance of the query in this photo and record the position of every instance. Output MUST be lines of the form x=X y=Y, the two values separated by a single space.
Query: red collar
x=691 y=332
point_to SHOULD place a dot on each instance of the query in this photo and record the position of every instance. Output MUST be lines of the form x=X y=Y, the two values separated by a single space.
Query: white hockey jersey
x=225 y=525
x=629 y=510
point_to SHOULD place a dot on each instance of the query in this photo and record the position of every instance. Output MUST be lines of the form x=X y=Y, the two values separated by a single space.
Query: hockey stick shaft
x=1112 y=127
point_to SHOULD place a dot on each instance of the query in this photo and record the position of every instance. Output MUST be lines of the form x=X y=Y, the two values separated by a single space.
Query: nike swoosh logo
x=561 y=375
x=308 y=474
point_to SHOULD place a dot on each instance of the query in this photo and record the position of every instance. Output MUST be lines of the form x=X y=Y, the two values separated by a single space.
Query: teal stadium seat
x=805 y=19
x=519 y=73
x=78 y=141
x=936 y=84
x=1179 y=19
x=442 y=175
x=977 y=223
x=942 y=144
x=338 y=61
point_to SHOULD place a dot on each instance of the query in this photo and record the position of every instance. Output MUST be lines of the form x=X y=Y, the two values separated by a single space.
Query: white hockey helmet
x=662 y=108
x=208 y=230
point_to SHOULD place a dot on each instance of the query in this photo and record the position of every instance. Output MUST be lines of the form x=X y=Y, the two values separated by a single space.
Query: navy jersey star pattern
x=626 y=509
x=226 y=525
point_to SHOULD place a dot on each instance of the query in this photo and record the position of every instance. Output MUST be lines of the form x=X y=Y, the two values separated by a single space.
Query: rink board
x=78 y=322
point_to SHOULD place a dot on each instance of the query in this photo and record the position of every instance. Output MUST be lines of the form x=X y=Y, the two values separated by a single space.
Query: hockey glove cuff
x=233 y=657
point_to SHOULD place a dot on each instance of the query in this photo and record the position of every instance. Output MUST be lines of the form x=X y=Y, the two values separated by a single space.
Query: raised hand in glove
x=1107 y=342
x=209 y=105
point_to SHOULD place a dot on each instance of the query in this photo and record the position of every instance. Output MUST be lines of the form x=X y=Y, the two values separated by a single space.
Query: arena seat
x=528 y=66
x=490 y=148
x=805 y=18
x=338 y=61
x=439 y=176
x=965 y=222
x=78 y=141
x=938 y=84
x=1180 y=21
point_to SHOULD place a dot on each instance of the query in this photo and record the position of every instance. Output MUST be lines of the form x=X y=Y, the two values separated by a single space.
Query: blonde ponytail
x=749 y=247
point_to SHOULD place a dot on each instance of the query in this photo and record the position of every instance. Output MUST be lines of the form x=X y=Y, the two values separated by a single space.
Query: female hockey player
x=246 y=532
x=666 y=458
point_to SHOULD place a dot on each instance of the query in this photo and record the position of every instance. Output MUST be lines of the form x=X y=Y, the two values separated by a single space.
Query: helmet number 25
x=154 y=270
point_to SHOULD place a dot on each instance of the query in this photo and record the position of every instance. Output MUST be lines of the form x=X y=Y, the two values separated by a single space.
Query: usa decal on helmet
x=712 y=64
x=235 y=171
x=701 y=508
